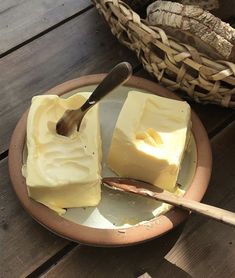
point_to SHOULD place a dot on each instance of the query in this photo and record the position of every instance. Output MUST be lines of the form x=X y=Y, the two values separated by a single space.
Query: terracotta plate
x=120 y=219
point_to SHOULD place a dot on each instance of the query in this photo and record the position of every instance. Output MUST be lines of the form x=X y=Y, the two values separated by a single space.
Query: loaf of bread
x=140 y=5
x=195 y=26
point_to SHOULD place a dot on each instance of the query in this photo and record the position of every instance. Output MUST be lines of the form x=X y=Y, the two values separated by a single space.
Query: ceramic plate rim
x=109 y=237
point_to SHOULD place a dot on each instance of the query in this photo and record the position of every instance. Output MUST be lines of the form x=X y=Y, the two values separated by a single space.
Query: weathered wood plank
x=85 y=261
x=24 y=244
x=21 y=20
x=212 y=116
x=206 y=248
x=169 y=270
x=82 y=46
x=207 y=251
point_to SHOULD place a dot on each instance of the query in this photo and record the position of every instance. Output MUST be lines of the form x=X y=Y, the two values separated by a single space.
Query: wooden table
x=43 y=43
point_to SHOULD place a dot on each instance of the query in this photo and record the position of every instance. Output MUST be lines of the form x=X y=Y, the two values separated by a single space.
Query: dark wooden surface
x=25 y=245
x=21 y=20
x=44 y=43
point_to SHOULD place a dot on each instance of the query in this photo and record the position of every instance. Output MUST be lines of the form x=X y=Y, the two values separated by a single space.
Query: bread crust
x=194 y=26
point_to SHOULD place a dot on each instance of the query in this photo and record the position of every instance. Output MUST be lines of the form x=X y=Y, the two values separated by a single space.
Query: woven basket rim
x=213 y=74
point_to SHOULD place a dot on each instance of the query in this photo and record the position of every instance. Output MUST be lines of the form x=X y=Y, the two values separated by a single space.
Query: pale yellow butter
x=62 y=172
x=149 y=139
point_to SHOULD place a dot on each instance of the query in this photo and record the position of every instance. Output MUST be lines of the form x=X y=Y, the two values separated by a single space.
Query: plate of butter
x=140 y=131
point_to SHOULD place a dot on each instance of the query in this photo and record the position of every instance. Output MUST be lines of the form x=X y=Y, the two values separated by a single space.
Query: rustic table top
x=42 y=44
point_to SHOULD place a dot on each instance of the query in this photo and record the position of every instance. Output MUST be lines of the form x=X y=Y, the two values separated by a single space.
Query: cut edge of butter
x=149 y=142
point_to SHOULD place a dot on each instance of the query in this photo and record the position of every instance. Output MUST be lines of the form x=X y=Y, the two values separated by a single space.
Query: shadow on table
x=169 y=270
x=129 y=261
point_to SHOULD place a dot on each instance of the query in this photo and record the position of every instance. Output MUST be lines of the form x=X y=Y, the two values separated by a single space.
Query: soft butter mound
x=62 y=172
x=150 y=138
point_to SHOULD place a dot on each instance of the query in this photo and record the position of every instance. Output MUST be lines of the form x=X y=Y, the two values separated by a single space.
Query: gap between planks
x=9 y=51
x=53 y=260
x=3 y=155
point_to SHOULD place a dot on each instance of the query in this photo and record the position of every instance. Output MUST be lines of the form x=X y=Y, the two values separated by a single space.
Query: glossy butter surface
x=149 y=139
x=62 y=172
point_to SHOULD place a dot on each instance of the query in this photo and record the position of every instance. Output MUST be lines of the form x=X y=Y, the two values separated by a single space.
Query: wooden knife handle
x=142 y=188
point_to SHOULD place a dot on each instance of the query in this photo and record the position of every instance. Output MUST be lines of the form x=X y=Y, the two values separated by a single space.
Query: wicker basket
x=177 y=66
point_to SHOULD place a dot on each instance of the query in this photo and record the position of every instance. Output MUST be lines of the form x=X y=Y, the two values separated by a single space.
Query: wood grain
x=24 y=244
x=207 y=251
x=82 y=46
x=21 y=20
x=85 y=261
x=206 y=248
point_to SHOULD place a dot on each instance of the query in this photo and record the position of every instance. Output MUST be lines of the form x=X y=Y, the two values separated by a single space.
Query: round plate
x=120 y=219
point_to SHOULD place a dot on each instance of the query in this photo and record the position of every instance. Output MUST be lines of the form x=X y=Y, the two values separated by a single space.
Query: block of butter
x=62 y=172
x=149 y=139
